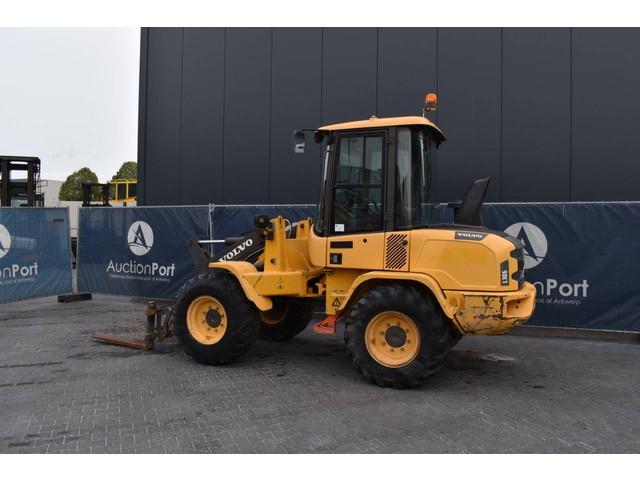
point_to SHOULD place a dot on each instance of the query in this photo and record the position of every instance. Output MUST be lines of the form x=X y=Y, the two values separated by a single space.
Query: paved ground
x=62 y=392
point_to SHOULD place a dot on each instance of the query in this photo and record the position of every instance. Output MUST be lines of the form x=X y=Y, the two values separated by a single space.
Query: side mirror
x=299 y=141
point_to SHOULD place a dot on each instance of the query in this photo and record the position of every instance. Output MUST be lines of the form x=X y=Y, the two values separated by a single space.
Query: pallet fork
x=158 y=327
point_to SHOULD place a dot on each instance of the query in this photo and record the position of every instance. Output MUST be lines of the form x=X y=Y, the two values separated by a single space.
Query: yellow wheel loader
x=406 y=286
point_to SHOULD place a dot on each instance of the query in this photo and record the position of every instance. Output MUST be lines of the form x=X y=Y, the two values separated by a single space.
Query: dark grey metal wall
x=550 y=114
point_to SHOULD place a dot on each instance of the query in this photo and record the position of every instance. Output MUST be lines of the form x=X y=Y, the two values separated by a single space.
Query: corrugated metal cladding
x=551 y=114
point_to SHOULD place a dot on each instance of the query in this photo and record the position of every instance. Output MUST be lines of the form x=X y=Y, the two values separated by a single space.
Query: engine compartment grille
x=396 y=251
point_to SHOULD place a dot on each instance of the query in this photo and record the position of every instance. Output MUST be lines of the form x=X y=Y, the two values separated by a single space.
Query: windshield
x=415 y=180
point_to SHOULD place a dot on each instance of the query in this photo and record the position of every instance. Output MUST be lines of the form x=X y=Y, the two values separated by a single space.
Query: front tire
x=396 y=337
x=214 y=320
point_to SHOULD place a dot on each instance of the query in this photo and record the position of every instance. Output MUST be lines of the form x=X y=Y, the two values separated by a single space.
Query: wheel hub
x=395 y=336
x=213 y=318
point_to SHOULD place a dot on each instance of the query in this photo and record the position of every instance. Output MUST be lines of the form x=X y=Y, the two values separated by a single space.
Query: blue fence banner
x=233 y=220
x=138 y=251
x=583 y=258
x=35 y=253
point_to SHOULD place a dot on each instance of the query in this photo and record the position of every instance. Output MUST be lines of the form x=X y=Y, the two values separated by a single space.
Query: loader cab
x=378 y=176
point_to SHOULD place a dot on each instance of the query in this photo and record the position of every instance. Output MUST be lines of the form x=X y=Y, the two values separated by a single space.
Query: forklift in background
x=20 y=192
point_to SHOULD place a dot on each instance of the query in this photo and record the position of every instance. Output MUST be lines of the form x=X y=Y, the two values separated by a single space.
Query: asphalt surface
x=60 y=391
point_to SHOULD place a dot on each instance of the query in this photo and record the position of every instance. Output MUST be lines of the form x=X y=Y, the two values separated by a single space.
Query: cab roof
x=375 y=122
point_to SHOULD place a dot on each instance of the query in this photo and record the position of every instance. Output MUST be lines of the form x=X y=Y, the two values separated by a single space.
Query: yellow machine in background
x=406 y=286
x=120 y=191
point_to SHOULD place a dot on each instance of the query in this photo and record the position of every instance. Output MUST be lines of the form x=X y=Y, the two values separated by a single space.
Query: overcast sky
x=70 y=97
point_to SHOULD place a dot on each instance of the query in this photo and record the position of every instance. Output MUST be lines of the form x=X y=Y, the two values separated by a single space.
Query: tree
x=127 y=171
x=71 y=189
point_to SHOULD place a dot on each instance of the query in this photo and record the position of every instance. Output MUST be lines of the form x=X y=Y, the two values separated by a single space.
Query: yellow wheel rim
x=276 y=315
x=206 y=320
x=392 y=339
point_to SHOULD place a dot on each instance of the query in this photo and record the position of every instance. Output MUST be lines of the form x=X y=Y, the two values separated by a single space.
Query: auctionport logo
x=551 y=290
x=5 y=240
x=14 y=273
x=534 y=241
x=140 y=238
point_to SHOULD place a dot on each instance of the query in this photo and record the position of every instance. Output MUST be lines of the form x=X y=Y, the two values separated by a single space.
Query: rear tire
x=396 y=337
x=287 y=319
x=214 y=320
x=454 y=337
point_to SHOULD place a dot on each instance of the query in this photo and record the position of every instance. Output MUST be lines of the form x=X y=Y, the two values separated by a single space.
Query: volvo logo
x=470 y=236
x=5 y=241
x=534 y=241
x=140 y=238
x=237 y=250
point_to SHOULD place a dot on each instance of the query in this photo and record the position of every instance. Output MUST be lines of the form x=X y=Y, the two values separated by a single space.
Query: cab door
x=357 y=214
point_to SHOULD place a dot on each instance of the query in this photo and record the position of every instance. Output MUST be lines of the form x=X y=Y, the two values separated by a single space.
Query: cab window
x=358 y=192
x=415 y=204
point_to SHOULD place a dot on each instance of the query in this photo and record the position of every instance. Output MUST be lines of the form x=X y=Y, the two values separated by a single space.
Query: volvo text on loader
x=406 y=286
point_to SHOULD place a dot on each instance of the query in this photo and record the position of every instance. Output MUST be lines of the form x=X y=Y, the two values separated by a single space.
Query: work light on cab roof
x=430 y=103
